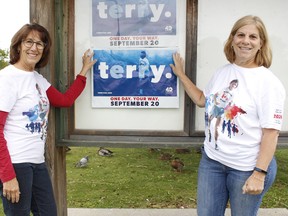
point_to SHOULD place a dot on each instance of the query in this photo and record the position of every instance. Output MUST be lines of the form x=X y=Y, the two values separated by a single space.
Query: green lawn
x=137 y=178
x=132 y=178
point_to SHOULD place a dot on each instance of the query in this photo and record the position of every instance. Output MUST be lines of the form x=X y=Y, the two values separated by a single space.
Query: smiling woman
x=232 y=118
x=8 y=28
x=25 y=100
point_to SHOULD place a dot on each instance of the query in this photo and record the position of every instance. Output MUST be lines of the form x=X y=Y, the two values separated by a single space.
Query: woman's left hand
x=87 y=62
x=178 y=66
x=254 y=184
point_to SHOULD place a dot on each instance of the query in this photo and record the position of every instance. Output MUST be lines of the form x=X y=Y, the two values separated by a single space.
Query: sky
x=13 y=15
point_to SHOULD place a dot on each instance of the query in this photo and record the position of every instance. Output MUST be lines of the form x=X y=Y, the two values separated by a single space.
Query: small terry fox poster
x=134 y=23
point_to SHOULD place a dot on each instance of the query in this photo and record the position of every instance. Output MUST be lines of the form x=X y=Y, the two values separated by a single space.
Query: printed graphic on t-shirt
x=38 y=116
x=220 y=106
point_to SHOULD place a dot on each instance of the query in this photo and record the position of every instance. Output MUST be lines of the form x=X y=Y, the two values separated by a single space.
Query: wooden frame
x=58 y=17
x=68 y=135
x=66 y=121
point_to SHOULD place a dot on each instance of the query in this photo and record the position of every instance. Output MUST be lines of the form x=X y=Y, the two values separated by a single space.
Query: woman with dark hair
x=241 y=135
x=25 y=99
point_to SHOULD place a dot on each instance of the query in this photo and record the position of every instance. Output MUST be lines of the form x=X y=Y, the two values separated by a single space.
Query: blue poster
x=130 y=17
x=122 y=77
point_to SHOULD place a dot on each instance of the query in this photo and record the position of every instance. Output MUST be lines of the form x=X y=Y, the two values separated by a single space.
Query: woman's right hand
x=11 y=190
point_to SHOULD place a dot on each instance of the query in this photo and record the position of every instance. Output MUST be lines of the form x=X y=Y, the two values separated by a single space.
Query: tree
x=3 y=58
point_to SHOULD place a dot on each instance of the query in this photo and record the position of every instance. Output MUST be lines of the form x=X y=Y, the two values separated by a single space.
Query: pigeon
x=105 y=152
x=154 y=149
x=177 y=164
x=165 y=156
x=83 y=162
x=67 y=149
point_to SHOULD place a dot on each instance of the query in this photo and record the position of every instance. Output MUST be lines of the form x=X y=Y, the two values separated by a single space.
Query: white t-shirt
x=23 y=95
x=234 y=127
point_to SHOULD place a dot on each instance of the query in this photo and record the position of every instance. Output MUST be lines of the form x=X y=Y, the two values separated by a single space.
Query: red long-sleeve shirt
x=56 y=99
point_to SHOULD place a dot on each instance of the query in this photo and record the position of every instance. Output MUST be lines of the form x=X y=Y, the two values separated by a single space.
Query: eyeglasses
x=29 y=43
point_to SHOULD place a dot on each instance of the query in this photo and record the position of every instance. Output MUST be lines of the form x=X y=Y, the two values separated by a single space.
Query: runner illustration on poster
x=121 y=74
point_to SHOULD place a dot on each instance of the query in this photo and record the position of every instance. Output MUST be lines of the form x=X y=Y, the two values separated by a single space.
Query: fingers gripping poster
x=133 y=43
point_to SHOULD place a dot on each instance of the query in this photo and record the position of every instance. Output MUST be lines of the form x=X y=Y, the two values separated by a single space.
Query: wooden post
x=49 y=13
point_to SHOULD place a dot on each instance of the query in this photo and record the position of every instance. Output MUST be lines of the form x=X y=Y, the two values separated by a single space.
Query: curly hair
x=22 y=34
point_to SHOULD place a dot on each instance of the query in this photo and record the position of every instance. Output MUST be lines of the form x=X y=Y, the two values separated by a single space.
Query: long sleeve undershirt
x=6 y=168
x=56 y=99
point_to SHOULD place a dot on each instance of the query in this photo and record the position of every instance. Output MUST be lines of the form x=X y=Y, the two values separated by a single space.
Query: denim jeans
x=36 y=192
x=218 y=184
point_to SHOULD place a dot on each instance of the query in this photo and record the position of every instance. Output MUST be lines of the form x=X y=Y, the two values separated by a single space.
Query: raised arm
x=191 y=89
x=59 y=99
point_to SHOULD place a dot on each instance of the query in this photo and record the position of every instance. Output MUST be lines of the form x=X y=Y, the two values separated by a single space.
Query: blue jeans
x=218 y=183
x=36 y=192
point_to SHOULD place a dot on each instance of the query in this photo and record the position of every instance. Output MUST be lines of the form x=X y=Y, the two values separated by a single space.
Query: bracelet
x=258 y=178
x=260 y=170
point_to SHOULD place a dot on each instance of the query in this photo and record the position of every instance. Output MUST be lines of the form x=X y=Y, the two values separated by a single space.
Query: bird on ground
x=105 y=152
x=67 y=149
x=154 y=150
x=166 y=156
x=83 y=162
x=182 y=150
x=177 y=164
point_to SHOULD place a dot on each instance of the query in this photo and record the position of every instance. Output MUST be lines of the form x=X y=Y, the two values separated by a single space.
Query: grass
x=277 y=196
x=137 y=178
x=132 y=178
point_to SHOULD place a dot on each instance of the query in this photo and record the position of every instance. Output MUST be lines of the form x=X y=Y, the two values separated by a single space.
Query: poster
x=133 y=42
x=134 y=78
x=130 y=23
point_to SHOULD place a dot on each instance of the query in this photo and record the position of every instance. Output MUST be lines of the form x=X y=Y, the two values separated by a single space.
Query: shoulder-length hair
x=264 y=55
x=22 y=34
